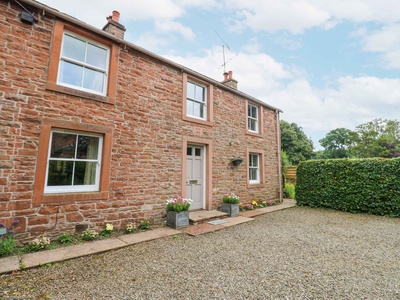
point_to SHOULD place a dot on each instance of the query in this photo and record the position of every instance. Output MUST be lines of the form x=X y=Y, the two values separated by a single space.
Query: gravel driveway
x=298 y=253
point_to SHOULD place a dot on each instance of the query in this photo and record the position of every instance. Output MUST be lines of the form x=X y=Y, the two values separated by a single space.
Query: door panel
x=194 y=176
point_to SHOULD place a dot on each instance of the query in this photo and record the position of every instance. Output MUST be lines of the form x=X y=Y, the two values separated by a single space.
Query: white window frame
x=202 y=103
x=85 y=65
x=254 y=167
x=252 y=118
x=74 y=188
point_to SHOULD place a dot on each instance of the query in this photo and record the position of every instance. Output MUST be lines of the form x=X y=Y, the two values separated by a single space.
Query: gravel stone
x=298 y=253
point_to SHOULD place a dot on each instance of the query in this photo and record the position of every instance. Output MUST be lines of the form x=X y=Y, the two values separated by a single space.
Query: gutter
x=75 y=21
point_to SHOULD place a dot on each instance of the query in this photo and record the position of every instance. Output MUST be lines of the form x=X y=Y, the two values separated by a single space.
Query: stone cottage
x=96 y=130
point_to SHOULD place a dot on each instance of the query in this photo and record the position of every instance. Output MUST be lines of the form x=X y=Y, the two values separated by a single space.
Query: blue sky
x=326 y=64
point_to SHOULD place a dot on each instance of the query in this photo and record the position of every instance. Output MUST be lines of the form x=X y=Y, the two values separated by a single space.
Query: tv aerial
x=224 y=44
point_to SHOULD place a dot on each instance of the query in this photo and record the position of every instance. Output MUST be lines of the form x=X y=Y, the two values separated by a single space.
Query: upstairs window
x=83 y=64
x=252 y=118
x=196 y=101
x=74 y=161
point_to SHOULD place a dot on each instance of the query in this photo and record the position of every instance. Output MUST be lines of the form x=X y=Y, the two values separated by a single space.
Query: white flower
x=109 y=227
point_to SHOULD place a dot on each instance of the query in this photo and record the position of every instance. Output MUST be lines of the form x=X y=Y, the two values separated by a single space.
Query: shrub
x=354 y=185
x=289 y=190
x=7 y=245
x=41 y=243
x=144 y=225
x=108 y=230
x=130 y=228
x=65 y=238
x=89 y=235
x=7 y=241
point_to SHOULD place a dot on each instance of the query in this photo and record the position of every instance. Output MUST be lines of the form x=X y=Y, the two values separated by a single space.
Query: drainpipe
x=278 y=139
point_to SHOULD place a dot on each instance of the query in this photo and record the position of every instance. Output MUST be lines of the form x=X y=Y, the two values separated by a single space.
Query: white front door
x=195 y=176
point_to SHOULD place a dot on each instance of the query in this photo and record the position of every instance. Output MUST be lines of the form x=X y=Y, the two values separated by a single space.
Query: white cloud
x=150 y=41
x=387 y=42
x=287 y=42
x=383 y=11
x=130 y=10
x=294 y=16
x=169 y=26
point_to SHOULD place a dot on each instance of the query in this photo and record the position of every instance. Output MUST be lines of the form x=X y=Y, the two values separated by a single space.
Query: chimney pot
x=229 y=81
x=115 y=16
x=113 y=26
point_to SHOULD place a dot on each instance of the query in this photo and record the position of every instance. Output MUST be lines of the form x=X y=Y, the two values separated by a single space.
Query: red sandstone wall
x=146 y=118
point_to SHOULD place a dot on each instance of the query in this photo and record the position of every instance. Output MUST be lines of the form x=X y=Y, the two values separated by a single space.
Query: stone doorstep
x=203 y=228
x=204 y=216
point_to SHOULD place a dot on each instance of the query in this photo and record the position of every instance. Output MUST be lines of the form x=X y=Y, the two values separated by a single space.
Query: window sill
x=71 y=197
x=255 y=134
x=254 y=185
x=66 y=90
x=197 y=121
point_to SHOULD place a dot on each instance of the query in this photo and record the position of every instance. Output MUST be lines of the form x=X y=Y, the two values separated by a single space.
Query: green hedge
x=354 y=185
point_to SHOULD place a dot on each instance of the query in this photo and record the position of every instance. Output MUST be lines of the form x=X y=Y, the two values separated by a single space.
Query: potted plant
x=178 y=212
x=236 y=161
x=230 y=204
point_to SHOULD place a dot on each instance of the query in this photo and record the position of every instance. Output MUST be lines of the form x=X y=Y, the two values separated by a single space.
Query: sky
x=327 y=64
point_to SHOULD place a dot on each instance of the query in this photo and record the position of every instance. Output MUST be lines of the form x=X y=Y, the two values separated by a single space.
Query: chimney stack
x=113 y=26
x=229 y=81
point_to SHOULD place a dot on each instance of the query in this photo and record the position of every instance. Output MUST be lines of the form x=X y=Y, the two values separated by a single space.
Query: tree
x=378 y=138
x=337 y=143
x=295 y=143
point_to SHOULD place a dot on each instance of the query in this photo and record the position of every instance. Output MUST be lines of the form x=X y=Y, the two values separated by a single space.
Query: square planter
x=178 y=220
x=231 y=209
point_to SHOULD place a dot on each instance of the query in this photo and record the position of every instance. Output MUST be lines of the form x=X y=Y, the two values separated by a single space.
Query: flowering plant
x=130 y=227
x=37 y=244
x=231 y=198
x=178 y=204
x=254 y=204
x=108 y=230
x=89 y=235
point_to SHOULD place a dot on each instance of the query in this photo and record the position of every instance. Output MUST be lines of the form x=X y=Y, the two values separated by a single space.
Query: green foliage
x=65 y=238
x=144 y=225
x=289 y=190
x=178 y=204
x=378 y=138
x=295 y=143
x=7 y=245
x=354 y=185
x=285 y=161
x=38 y=244
x=337 y=143
x=231 y=198
x=89 y=235
x=130 y=228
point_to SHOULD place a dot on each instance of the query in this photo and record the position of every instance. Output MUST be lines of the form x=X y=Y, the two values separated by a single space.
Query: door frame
x=207 y=144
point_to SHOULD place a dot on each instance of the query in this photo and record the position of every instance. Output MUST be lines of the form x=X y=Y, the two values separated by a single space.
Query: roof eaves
x=78 y=22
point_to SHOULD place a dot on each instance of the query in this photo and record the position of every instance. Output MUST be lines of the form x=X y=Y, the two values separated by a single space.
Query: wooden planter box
x=231 y=209
x=178 y=220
